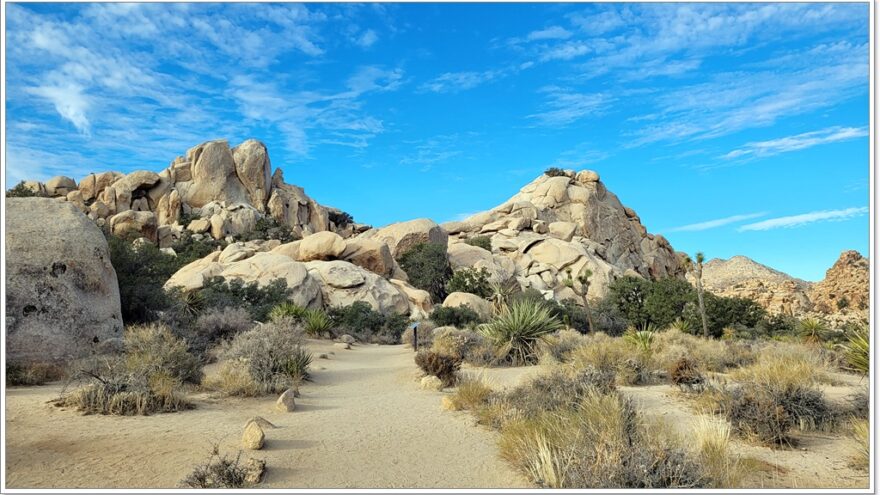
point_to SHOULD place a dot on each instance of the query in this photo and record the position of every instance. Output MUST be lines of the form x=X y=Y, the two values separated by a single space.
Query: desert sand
x=361 y=423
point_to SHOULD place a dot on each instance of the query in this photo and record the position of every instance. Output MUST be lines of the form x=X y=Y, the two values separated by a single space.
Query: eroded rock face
x=343 y=284
x=847 y=280
x=213 y=176
x=62 y=293
x=556 y=224
x=402 y=236
x=254 y=170
x=773 y=290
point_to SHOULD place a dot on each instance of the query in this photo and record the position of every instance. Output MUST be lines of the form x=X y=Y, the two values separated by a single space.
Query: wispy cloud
x=432 y=151
x=719 y=222
x=453 y=82
x=550 y=33
x=565 y=51
x=367 y=39
x=805 y=219
x=797 y=142
x=564 y=106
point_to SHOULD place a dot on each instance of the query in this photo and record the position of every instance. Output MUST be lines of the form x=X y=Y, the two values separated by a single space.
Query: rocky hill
x=846 y=286
x=740 y=276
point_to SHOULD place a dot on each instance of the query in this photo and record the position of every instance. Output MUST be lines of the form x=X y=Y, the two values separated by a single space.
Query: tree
x=628 y=295
x=427 y=266
x=697 y=270
x=582 y=289
x=667 y=299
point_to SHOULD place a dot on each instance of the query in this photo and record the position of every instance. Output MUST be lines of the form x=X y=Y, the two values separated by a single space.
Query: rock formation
x=740 y=276
x=559 y=224
x=62 y=297
x=846 y=286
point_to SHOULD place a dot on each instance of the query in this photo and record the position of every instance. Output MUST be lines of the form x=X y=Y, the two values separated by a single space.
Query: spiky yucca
x=857 y=348
x=812 y=330
x=287 y=310
x=316 y=322
x=642 y=339
x=682 y=326
x=517 y=328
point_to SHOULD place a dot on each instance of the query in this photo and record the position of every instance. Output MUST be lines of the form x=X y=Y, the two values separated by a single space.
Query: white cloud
x=712 y=224
x=550 y=33
x=367 y=39
x=565 y=106
x=797 y=142
x=453 y=82
x=565 y=51
x=432 y=151
x=805 y=218
x=69 y=101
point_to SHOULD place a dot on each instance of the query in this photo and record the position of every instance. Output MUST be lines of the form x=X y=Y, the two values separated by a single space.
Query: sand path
x=362 y=423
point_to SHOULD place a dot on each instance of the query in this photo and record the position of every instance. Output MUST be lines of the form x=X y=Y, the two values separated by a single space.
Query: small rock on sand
x=253 y=437
x=348 y=339
x=431 y=383
x=285 y=402
x=342 y=345
x=263 y=422
x=255 y=469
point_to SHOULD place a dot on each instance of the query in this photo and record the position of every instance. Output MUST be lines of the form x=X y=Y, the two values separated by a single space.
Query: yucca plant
x=287 y=310
x=517 y=328
x=500 y=293
x=316 y=322
x=642 y=339
x=682 y=326
x=297 y=365
x=856 y=349
x=812 y=330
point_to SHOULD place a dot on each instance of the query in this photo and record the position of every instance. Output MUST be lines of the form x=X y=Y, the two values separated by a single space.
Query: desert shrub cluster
x=427 y=267
x=458 y=316
x=22 y=373
x=218 y=471
x=471 y=280
x=518 y=328
x=480 y=241
x=364 y=323
x=146 y=378
x=442 y=366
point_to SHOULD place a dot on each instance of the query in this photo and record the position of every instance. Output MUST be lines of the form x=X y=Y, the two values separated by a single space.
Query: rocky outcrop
x=402 y=236
x=62 y=296
x=224 y=191
x=479 y=305
x=562 y=224
x=740 y=276
x=846 y=286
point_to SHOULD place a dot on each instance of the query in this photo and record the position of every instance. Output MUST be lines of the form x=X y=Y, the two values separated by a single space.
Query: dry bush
x=440 y=365
x=601 y=443
x=711 y=355
x=783 y=366
x=562 y=388
x=33 y=373
x=218 y=472
x=426 y=334
x=274 y=355
x=465 y=345
x=470 y=394
x=686 y=374
x=217 y=325
x=614 y=355
x=559 y=346
x=154 y=348
x=860 y=434
x=233 y=378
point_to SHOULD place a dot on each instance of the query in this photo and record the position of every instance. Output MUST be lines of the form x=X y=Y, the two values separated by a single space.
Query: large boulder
x=343 y=284
x=60 y=186
x=62 y=296
x=321 y=246
x=214 y=178
x=289 y=205
x=473 y=301
x=400 y=237
x=370 y=254
x=132 y=223
x=254 y=171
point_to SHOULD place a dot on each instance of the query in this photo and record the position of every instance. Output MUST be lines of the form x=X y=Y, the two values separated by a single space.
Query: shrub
x=141 y=271
x=860 y=433
x=712 y=439
x=601 y=352
x=642 y=340
x=554 y=172
x=217 y=325
x=443 y=367
x=710 y=355
x=316 y=322
x=471 y=280
x=607 y=318
x=558 y=347
x=842 y=303
x=600 y=444
x=273 y=353
x=470 y=394
x=686 y=374
x=361 y=321
x=628 y=295
x=340 y=218
x=32 y=373
x=152 y=349
x=779 y=324
x=812 y=330
x=255 y=299
x=234 y=378
x=427 y=267
x=218 y=472
x=288 y=309
x=188 y=249
x=724 y=312
x=480 y=241
x=666 y=300
x=857 y=349
x=20 y=191
x=425 y=332
x=458 y=316
x=269 y=228
x=562 y=388
x=456 y=343
x=517 y=329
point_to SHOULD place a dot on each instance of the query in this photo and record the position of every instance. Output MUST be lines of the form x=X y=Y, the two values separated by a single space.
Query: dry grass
x=233 y=379
x=712 y=440
x=860 y=433
x=710 y=355
x=614 y=355
x=33 y=373
x=470 y=394
x=783 y=366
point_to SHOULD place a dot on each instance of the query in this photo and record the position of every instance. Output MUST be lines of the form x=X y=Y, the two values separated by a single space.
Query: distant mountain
x=846 y=286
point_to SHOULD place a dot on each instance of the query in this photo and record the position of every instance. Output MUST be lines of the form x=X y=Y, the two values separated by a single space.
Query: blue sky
x=730 y=128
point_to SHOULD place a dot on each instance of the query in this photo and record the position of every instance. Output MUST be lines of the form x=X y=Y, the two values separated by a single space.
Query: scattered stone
x=342 y=345
x=348 y=339
x=285 y=402
x=431 y=382
x=253 y=437
x=255 y=469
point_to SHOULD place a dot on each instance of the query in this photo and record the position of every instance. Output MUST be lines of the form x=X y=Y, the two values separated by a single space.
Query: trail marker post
x=415 y=329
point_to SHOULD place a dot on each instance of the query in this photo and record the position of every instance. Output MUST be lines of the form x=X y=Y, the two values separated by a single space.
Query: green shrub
x=340 y=218
x=470 y=280
x=427 y=267
x=20 y=191
x=480 y=241
x=607 y=318
x=562 y=388
x=268 y=228
x=440 y=365
x=812 y=330
x=722 y=312
x=518 y=328
x=361 y=321
x=32 y=373
x=316 y=322
x=188 y=249
x=288 y=309
x=554 y=172
x=141 y=272
x=666 y=300
x=458 y=316
x=273 y=354
x=218 y=472
x=256 y=300
x=857 y=349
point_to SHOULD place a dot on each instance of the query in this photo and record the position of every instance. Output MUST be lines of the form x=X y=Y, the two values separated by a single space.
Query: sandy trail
x=362 y=423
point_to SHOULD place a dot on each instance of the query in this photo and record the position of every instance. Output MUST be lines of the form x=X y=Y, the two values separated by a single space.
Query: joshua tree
x=583 y=287
x=697 y=270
